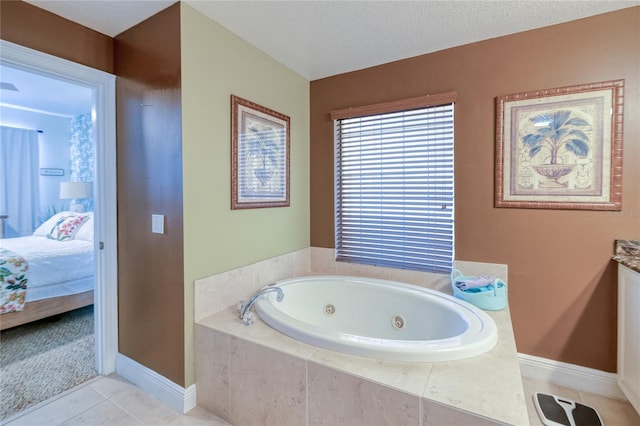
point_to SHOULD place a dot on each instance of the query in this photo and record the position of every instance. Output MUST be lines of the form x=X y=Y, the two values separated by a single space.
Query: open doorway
x=95 y=128
x=47 y=154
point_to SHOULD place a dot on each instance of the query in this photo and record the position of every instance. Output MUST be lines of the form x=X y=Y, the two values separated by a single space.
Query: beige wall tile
x=463 y=384
x=357 y=270
x=218 y=292
x=323 y=260
x=440 y=282
x=212 y=370
x=259 y=333
x=274 y=269
x=267 y=387
x=435 y=414
x=411 y=377
x=198 y=417
x=407 y=276
x=302 y=262
x=336 y=398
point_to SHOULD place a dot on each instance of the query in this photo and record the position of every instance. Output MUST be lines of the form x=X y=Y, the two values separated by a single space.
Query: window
x=394 y=184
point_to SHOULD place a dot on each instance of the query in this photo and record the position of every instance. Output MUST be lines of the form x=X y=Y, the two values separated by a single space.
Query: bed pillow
x=67 y=226
x=86 y=231
x=47 y=225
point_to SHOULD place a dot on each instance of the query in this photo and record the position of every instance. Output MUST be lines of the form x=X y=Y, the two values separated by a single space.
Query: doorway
x=102 y=87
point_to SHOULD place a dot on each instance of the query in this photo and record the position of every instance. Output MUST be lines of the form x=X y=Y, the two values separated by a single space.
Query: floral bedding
x=54 y=266
x=13 y=281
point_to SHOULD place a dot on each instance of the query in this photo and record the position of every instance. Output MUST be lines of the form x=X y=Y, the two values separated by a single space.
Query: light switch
x=157 y=223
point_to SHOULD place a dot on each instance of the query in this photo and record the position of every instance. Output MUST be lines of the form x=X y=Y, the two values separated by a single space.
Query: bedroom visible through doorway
x=66 y=216
x=47 y=175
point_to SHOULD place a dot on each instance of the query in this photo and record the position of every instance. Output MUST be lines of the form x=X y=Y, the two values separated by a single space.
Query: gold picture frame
x=560 y=148
x=260 y=144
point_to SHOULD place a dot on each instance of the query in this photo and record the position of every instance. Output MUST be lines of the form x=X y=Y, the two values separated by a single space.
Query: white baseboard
x=571 y=375
x=175 y=396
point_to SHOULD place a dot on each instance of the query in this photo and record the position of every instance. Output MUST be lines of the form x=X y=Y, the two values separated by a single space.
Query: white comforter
x=55 y=267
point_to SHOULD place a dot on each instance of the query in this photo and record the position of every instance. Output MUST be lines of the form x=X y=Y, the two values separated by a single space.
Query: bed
x=60 y=273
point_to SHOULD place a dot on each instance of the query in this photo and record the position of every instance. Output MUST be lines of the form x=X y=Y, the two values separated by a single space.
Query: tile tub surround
x=257 y=375
x=230 y=360
x=218 y=292
x=627 y=252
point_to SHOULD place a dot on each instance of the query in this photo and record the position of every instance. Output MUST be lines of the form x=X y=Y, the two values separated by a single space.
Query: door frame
x=105 y=232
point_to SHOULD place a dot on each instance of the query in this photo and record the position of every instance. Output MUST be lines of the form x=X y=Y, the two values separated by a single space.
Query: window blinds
x=394 y=189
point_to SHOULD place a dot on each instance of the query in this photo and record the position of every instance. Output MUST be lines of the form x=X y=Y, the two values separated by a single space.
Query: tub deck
x=255 y=374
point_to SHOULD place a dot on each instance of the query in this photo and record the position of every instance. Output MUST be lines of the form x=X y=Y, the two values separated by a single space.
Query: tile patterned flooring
x=109 y=401
x=112 y=400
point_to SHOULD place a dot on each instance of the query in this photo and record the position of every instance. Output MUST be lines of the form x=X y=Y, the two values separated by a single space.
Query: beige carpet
x=45 y=358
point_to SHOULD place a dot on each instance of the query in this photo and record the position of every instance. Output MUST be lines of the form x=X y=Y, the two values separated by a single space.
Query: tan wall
x=149 y=155
x=562 y=281
x=30 y=26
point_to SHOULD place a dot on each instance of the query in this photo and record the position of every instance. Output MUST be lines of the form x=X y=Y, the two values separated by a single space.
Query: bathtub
x=379 y=319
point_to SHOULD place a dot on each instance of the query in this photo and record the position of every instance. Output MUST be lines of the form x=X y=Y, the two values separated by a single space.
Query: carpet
x=45 y=358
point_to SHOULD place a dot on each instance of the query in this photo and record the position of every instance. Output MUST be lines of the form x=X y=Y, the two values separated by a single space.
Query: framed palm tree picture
x=259 y=156
x=560 y=148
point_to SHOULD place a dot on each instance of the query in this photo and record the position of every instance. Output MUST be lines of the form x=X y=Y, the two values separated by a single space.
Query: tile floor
x=114 y=401
x=109 y=401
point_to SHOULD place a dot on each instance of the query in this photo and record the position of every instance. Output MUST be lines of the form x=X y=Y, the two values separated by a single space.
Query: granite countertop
x=627 y=252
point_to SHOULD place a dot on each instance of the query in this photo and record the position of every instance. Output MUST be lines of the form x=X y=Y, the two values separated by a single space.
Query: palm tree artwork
x=262 y=153
x=556 y=133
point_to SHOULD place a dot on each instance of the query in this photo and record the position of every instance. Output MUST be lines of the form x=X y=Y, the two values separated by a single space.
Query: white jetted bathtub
x=378 y=319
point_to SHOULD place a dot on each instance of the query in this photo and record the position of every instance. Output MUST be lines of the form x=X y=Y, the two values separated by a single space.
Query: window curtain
x=19 y=180
x=82 y=149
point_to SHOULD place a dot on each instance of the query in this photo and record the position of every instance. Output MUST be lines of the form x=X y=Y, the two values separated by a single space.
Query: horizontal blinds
x=394 y=189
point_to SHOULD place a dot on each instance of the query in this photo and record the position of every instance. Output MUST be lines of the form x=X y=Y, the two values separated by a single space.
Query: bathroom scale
x=558 y=411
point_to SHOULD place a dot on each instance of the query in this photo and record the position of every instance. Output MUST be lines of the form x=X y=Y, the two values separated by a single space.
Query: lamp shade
x=75 y=190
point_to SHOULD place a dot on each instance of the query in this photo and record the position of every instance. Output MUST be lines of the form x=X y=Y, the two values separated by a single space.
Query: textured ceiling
x=317 y=39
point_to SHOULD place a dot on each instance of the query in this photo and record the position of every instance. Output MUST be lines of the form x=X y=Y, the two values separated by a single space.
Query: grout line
x=124 y=410
x=306 y=392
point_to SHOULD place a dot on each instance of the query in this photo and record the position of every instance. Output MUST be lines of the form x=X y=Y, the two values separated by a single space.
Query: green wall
x=216 y=64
